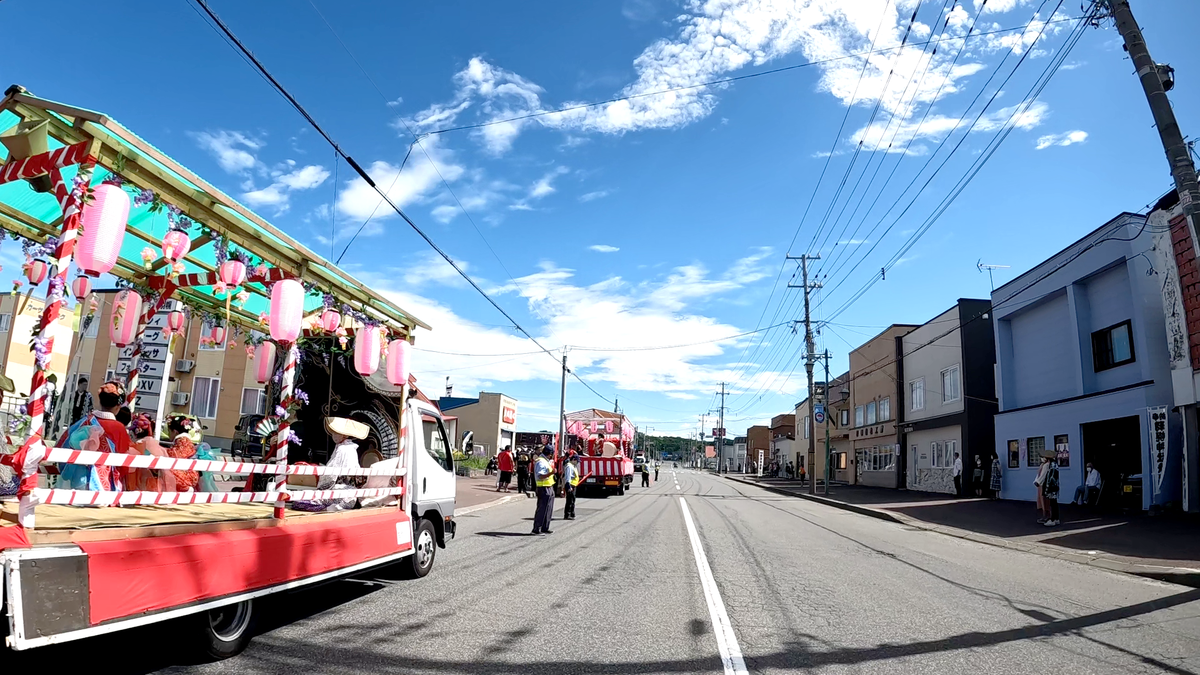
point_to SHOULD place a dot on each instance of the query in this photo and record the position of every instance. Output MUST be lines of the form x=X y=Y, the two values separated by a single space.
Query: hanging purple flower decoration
x=280 y=411
x=144 y=197
x=241 y=256
x=113 y=179
x=23 y=409
x=328 y=301
x=13 y=425
x=41 y=352
x=301 y=396
x=292 y=437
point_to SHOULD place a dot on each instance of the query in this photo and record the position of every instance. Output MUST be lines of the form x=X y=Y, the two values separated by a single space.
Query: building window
x=950 y=385
x=109 y=375
x=885 y=409
x=1062 y=451
x=871 y=412
x=949 y=449
x=935 y=454
x=841 y=460
x=5 y=322
x=254 y=401
x=1014 y=454
x=1033 y=450
x=204 y=396
x=858 y=416
x=844 y=418
x=1112 y=346
x=916 y=393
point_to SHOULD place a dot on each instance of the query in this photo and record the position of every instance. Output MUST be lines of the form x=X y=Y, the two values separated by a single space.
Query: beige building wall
x=486 y=420
x=230 y=365
x=873 y=373
x=18 y=331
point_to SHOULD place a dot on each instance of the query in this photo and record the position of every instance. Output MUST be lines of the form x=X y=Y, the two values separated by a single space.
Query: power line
x=713 y=83
x=690 y=344
x=363 y=174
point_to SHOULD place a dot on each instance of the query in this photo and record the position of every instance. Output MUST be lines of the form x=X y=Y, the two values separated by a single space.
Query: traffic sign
x=819 y=414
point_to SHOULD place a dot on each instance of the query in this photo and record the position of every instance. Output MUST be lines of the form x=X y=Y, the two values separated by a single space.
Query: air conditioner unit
x=184 y=366
x=180 y=398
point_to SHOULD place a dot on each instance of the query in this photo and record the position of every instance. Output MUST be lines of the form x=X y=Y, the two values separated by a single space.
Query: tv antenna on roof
x=981 y=266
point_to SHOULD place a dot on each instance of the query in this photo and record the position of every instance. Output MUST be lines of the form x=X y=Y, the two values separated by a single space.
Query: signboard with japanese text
x=154 y=364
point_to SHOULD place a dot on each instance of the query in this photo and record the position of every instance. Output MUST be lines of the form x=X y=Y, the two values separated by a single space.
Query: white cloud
x=1063 y=139
x=893 y=135
x=444 y=213
x=592 y=196
x=603 y=248
x=416 y=184
x=718 y=37
x=542 y=187
x=304 y=179
x=563 y=311
x=431 y=268
x=231 y=149
x=853 y=242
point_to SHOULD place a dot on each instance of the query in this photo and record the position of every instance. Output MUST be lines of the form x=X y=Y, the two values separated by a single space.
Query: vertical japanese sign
x=155 y=364
x=1158 y=444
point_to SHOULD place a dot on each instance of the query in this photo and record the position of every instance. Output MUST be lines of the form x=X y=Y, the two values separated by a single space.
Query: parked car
x=247 y=444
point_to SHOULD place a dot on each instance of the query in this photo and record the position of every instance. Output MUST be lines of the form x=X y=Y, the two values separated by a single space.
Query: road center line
x=727 y=644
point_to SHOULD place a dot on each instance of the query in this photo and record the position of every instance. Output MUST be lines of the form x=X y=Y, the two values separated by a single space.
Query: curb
x=1183 y=576
x=487 y=505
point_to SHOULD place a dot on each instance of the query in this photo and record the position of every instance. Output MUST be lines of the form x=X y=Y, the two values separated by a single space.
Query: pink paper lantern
x=287 y=310
x=397 y=362
x=36 y=270
x=81 y=287
x=127 y=314
x=264 y=362
x=366 y=350
x=218 y=335
x=104 y=221
x=175 y=245
x=175 y=322
x=232 y=273
x=330 y=320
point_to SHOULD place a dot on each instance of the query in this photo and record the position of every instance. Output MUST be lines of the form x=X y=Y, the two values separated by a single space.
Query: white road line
x=727 y=644
x=677 y=486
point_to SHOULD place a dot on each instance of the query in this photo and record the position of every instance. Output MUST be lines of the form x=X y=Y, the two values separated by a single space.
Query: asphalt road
x=805 y=588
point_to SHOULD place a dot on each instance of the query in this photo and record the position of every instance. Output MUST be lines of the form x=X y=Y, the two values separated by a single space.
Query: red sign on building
x=508 y=415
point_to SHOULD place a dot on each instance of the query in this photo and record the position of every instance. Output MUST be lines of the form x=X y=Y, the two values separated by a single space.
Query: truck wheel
x=621 y=491
x=225 y=631
x=424 y=550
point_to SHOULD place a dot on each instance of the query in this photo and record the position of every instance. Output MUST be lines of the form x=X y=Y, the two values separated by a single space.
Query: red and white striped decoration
x=175 y=245
x=81 y=287
x=61 y=263
x=88 y=458
x=47 y=162
x=286 y=390
x=88 y=498
x=35 y=271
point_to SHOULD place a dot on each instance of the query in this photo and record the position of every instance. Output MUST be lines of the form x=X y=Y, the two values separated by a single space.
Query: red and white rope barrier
x=92 y=458
x=130 y=498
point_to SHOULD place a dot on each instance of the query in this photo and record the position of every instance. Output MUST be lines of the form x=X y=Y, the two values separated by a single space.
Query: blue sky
x=658 y=221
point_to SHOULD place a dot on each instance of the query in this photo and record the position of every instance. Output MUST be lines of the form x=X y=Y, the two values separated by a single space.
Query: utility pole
x=562 y=408
x=721 y=428
x=1156 y=81
x=826 y=403
x=809 y=359
x=703 y=423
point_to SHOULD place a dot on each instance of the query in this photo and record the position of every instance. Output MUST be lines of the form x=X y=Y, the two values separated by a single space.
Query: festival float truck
x=77 y=563
x=604 y=443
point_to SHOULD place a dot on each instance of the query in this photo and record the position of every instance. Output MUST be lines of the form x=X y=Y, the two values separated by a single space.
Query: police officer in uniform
x=543 y=478
x=571 y=484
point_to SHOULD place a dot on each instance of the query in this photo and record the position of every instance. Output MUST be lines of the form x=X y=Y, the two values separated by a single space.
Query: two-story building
x=783 y=439
x=491 y=418
x=948 y=370
x=758 y=445
x=874 y=391
x=839 y=413
x=1082 y=369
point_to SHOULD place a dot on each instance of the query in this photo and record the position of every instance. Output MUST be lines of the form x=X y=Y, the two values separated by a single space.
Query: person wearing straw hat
x=345 y=456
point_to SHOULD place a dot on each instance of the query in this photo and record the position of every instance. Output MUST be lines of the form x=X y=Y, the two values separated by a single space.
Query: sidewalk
x=1161 y=547
x=480 y=492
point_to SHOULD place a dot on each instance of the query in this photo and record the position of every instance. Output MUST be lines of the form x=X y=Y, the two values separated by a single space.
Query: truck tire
x=420 y=562
x=621 y=491
x=225 y=631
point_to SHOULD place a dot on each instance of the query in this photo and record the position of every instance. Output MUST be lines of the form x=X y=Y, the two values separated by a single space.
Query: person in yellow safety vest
x=543 y=477
x=571 y=479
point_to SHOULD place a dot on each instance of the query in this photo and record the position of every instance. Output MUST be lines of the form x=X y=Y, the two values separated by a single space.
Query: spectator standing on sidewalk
x=505 y=462
x=490 y=468
x=977 y=476
x=1050 y=490
x=543 y=477
x=523 y=483
x=995 y=482
x=1044 y=515
x=957 y=473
